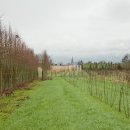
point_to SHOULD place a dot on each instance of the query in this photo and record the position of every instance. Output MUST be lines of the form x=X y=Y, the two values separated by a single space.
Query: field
x=58 y=104
x=74 y=72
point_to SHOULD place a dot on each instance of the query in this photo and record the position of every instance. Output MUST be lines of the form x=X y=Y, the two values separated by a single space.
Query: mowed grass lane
x=58 y=105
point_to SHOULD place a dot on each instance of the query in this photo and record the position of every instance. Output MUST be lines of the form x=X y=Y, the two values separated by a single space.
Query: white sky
x=83 y=29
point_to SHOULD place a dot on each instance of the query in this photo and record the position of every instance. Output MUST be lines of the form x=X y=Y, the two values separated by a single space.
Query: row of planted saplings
x=111 y=87
x=18 y=63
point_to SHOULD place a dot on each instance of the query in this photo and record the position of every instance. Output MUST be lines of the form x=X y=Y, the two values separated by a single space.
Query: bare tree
x=18 y=63
x=46 y=64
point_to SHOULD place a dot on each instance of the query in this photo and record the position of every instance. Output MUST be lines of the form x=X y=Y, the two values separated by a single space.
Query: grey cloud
x=118 y=10
x=65 y=28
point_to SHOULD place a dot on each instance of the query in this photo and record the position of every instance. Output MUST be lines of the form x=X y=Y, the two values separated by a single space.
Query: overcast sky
x=83 y=29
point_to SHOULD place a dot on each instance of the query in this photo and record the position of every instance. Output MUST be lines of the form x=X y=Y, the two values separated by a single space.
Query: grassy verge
x=11 y=103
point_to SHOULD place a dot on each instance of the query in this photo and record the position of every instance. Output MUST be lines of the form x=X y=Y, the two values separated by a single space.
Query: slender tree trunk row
x=18 y=63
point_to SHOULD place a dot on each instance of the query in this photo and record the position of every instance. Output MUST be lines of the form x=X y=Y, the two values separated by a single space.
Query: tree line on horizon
x=103 y=65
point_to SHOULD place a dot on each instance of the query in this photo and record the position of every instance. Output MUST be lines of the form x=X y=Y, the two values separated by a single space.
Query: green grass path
x=57 y=105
